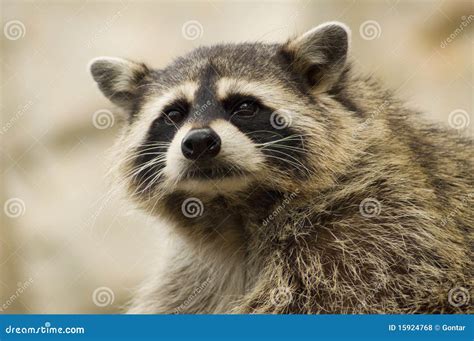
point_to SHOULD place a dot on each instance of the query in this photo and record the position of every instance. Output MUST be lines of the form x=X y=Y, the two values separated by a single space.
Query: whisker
x=139 y=168
x=296 y=163
x=136 y=156
x=287 y=138
x=293 y=148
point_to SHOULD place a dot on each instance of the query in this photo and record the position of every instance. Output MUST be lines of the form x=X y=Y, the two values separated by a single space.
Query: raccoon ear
x=118 y=79
x=320 y=54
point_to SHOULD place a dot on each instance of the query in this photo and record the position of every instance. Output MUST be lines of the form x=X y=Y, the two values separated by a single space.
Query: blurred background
x=68 y=244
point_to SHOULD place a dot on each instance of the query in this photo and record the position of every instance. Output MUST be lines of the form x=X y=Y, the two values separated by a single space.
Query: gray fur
x=319 y=252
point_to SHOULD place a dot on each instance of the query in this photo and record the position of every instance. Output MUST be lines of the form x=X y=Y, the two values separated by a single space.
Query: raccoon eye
x=245 y=109
x=174 y=116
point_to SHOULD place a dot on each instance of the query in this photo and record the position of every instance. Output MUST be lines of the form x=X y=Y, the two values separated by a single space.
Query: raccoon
x=289 y=184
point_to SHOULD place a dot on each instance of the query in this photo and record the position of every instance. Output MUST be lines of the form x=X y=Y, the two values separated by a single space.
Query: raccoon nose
x=203 y=143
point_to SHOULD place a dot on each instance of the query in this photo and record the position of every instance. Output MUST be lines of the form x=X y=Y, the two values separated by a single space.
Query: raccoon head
x=227 y=118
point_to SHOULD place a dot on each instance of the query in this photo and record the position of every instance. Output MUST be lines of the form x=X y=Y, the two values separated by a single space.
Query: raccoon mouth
x=211 y=173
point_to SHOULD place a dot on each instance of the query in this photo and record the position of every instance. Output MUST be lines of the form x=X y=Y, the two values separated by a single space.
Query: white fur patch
x=176 y=163
x=236 y=149
x=271 y=94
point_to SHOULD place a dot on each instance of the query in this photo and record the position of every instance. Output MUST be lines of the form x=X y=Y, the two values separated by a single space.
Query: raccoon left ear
x=320 y=54
x=118 y=79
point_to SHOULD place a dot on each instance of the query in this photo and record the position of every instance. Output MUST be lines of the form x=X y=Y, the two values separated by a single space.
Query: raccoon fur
x=290 y=184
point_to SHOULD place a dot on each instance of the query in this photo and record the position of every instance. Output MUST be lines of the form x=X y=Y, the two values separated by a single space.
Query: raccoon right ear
x=118 y=79
x=320 y=54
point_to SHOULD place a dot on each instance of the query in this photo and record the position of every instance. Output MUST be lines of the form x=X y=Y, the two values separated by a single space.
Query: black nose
x=201 y=144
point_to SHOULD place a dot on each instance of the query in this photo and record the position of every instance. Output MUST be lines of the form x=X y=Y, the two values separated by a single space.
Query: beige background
x=72 y=236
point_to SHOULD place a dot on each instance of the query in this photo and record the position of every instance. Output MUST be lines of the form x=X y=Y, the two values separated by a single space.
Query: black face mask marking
x=150 y=159
x=281 y=144
x=270 y=130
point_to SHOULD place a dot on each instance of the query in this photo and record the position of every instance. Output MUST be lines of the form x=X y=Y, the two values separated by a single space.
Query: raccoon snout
x=202 y=144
